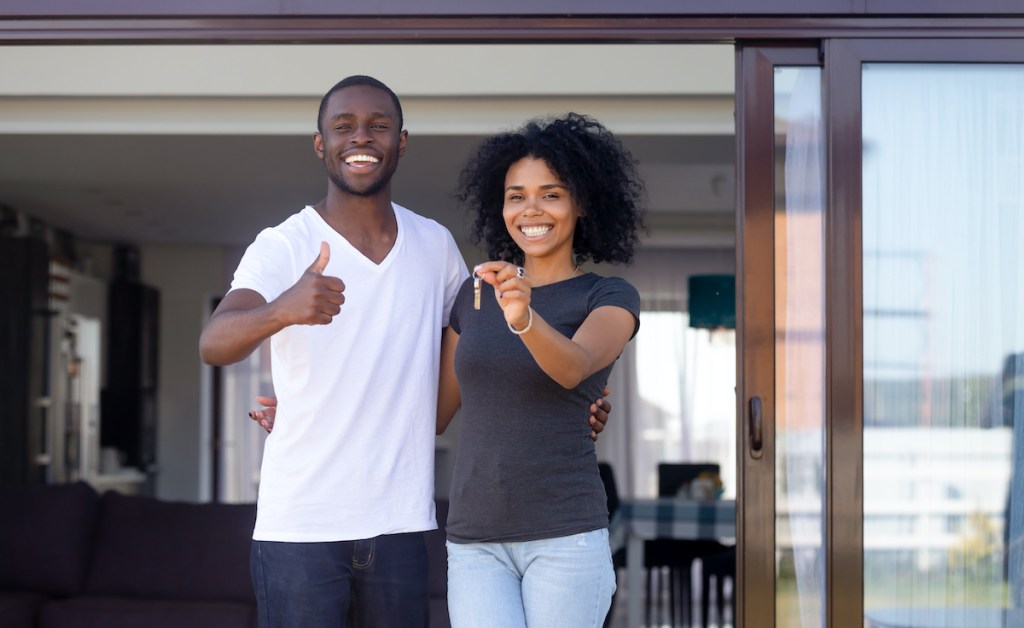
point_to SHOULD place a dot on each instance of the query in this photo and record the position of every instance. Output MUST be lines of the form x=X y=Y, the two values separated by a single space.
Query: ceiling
x=222 y=189
x=218 y=144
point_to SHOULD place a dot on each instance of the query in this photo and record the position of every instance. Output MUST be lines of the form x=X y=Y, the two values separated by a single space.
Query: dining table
x=645 y=519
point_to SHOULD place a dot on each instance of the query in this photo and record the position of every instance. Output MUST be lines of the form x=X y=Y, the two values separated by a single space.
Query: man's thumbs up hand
x=315 y=299
x=320 y=263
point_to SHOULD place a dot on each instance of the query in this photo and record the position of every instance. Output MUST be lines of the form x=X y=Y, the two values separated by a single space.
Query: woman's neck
x=542 y=274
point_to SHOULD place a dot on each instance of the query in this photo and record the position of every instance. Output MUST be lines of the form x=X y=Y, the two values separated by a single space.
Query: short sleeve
x=455 y=274
x=267 y=266
x=617 y=292
x=461 y=305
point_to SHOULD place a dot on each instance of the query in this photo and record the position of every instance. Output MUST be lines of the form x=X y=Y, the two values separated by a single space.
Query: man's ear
x=403 y=139
x=318 y=144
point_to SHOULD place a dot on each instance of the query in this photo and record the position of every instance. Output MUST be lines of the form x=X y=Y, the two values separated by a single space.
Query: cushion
x=18 y=610
x=149 y=548
x=103 y=612
x=46 y=537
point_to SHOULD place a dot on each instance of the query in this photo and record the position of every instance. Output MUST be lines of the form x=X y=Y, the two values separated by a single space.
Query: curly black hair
x=597 y=169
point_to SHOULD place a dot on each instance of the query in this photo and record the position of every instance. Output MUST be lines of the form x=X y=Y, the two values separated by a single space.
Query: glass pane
x=799 y=347
x=685 y=379
x=943 y=298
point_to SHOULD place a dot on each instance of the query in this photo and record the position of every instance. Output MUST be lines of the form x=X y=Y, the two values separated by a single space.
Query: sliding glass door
x=882 y=334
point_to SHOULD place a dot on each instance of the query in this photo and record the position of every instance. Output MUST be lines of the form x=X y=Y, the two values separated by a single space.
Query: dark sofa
x=72 y=558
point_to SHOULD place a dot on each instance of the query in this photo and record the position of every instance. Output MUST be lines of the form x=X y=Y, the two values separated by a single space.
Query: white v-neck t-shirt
x=352 y=451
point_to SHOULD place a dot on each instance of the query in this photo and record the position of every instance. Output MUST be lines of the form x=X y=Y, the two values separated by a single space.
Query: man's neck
x=367 y=222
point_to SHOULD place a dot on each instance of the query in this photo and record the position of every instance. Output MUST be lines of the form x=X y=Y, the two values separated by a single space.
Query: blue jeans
x=565 y=582
x=372 y=583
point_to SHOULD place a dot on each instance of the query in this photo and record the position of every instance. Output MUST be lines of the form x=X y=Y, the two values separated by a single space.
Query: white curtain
x=241 y=449
x=673 y=388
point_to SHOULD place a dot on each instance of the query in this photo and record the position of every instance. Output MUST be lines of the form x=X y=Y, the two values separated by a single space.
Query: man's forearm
x=232 y=336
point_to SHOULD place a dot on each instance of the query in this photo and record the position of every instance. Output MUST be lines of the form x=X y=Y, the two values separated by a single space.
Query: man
x=346 y=488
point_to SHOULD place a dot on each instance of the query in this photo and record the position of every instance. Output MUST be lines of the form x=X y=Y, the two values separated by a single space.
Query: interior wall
x=186 y=277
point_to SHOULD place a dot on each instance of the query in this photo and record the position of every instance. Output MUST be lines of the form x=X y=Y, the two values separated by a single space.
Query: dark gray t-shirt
x=526 y=468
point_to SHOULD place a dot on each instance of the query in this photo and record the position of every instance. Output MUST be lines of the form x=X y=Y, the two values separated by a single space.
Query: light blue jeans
x=564 y=582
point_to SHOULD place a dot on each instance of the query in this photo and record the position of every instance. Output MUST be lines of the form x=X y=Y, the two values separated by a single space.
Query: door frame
x=841 y=60
x=756 y=324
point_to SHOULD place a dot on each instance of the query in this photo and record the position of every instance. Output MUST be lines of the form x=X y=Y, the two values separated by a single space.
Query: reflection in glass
x=943 y=307
x=799 y=348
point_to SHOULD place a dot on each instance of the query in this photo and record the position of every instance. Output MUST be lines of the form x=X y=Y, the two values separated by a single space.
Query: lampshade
x=712 y=301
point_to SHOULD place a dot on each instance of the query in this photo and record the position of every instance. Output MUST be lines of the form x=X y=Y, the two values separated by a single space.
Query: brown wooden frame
x=440 y=8
x=390 y=30
x=844 y=567
x=454 y=21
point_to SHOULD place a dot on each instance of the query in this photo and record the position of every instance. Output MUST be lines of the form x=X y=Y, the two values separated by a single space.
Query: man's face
x=360 y=142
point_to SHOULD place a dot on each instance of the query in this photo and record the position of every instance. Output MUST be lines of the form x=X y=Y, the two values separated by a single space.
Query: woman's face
x=539 y=212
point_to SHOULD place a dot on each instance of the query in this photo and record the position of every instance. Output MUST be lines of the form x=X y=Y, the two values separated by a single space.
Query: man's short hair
x=354 y=80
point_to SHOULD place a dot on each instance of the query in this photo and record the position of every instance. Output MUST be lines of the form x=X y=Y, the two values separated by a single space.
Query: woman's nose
x=531 y=207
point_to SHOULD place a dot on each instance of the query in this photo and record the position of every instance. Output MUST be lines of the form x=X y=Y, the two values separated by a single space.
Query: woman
x=527 y=525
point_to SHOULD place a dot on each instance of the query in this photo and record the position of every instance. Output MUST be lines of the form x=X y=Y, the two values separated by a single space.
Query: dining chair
x=673 y=476
x=677 y=556
x=720 y=566
x=651 y=549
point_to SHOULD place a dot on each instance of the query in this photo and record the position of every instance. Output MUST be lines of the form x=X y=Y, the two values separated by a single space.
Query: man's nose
x=361 y=135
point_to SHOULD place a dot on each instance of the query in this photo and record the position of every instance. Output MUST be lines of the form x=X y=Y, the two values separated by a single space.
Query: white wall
x=187 y=277
x=270 y=89
x=446 y=70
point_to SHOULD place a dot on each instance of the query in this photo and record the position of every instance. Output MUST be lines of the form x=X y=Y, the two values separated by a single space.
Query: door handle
x=755 y=426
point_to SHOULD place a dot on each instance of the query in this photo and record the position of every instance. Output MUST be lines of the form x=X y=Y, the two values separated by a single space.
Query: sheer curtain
x=943 y=273
x=241 y=447
x=800 y=356
x=673 y=388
